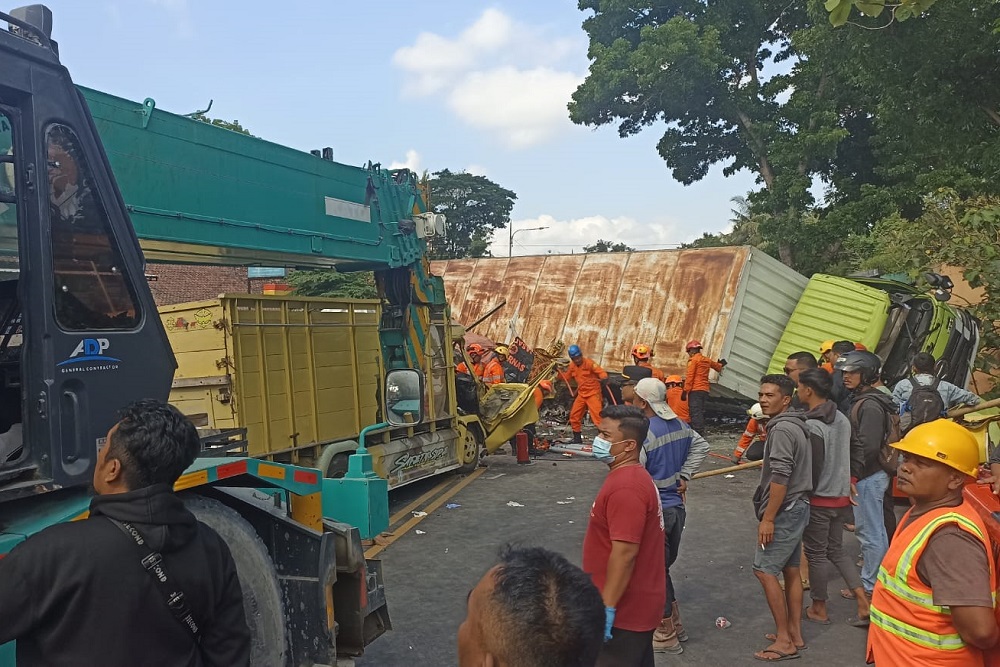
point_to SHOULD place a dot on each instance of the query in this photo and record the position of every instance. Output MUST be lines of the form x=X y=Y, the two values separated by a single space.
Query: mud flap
x=358 y=596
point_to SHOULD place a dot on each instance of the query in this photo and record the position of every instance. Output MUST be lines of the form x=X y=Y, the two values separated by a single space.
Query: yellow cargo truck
x=295 y=379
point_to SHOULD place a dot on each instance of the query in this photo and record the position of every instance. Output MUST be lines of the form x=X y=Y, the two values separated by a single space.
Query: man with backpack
x=924 y=397
x=874 y=427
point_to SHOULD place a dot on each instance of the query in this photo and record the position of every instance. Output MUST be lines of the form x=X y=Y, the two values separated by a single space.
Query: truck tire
x=471 y=449
x=261 y=593
x=338 y=466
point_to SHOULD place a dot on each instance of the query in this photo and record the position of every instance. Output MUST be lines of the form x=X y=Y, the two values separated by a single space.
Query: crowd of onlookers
x=832 y=439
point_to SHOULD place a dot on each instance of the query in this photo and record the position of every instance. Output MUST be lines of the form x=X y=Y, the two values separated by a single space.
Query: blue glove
x=609 y=620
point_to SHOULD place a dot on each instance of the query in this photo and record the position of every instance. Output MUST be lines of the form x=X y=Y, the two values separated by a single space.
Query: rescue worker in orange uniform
x=493 y=369
x=641 y=354
x=676 y=399
x=490 y=372
x=696 y=382
x=756 y=431
x=542 y=391
x=827 y=355
x=933 y=602
x=590 y=380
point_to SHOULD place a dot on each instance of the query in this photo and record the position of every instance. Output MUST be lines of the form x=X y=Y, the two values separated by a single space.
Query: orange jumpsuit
x=588 y=376
x=697 y=372
x=754 y=430
x=492 y=372
x=677 y=404
x=827 y=366
x=657 y=373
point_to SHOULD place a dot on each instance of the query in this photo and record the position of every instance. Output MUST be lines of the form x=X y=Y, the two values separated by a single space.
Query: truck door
x=92 y=339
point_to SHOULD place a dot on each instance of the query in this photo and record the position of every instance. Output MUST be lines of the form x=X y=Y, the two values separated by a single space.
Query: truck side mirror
x=404 y=397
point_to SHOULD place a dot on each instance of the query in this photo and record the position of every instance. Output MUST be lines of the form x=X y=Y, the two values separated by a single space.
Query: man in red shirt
x=623 y=547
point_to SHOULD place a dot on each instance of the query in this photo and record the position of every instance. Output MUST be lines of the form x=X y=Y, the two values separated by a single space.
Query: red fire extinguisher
x=521 y=447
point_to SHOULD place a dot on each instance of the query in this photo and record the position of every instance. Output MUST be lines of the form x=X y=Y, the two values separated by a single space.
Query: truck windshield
x=92 y=290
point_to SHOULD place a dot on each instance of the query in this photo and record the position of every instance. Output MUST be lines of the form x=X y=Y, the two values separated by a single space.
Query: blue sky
x=451 y=84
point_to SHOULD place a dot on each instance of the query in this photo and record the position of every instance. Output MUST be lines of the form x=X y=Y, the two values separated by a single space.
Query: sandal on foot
x=847 y=593
x=771 y=637
x=818 y=621
x=859 y=621
x=781 y=655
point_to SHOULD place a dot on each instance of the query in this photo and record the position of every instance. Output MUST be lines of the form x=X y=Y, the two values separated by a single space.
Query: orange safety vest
x=657 y=373
x=588 y=376
x=755 y=430
x=492 y=372
x=697 y=372
x=679 y=406
x=907 y=628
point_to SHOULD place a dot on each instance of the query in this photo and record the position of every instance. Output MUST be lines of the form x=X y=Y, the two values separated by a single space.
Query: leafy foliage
x=900 y=10
x=608 y=246
x=332 y=283
x=475 y=207
x=952 y=232
x=233 y=125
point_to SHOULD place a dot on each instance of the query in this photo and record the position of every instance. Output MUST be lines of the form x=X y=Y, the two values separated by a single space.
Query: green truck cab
x=893 y=319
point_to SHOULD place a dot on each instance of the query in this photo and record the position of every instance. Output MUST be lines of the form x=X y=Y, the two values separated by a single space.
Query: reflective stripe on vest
x=914 y=634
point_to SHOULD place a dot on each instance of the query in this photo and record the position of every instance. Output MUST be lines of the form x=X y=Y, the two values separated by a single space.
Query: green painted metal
x=360 y=498
x=832 y=307
x=198 y=193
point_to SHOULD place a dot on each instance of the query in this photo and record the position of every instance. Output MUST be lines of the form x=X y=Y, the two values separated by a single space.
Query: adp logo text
x=90 y=349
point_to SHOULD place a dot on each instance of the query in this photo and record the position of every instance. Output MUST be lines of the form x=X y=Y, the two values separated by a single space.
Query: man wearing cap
x=589 y=379
x=676 y=399
x=673 y=453
x=827 y=355
x=933 y=601
x=641 y=355
x=696 y=382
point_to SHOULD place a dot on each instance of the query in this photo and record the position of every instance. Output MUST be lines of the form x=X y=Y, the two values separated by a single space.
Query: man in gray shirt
x=781 y=503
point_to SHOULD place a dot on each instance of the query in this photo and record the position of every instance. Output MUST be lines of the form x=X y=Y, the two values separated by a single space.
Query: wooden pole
x=966 y=409
x=720 y=471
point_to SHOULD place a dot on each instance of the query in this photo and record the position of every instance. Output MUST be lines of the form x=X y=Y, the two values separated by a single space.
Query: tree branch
x=994 y=116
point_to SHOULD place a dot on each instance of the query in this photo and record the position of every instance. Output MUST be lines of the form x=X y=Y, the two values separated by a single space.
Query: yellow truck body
x=301 y=376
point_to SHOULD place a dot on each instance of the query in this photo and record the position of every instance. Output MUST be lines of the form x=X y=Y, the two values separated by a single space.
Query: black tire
x=470 y=451
x=338 y=466
x=261 y=593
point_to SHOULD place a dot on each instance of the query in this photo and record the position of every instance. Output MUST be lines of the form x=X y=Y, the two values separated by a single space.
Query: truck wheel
x=338 y=466
x=470 y=451
x=258 y=579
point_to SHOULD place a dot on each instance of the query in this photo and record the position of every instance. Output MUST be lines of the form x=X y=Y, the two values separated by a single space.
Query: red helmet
x=476 y=348
x=693 y=345
x=641 y=352
x=860 y=347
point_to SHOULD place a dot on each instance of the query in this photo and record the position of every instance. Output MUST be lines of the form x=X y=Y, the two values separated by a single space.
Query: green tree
x=332 y=283
x=475 y=207
x=898 y=10
x=699 y=67
x=607 y=246
x=953 y=231
x=233 y=125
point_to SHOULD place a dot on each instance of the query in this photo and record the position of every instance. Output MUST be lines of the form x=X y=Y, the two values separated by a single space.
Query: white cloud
x=476 y=170
x=565 y=236
x=497 y=75
x=412 y=162
x=524 y=106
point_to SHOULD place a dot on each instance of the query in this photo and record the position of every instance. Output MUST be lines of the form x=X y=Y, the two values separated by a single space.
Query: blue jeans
x=869 y=525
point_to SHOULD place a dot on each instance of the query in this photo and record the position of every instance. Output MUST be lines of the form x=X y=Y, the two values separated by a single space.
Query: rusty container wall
x=736 y=300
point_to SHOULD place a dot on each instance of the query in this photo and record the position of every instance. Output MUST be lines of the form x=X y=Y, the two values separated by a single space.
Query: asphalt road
x=429 y=574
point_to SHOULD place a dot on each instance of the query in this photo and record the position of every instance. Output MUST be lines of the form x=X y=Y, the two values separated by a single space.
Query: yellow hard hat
x=502 y=349
x=946 y=442
x=826 y=346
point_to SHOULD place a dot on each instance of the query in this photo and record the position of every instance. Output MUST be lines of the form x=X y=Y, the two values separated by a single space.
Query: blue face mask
x=602 y=449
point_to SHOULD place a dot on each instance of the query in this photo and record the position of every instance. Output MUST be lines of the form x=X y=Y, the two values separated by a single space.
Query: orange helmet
x=674 y=379
x=693 y=345
x=860 y=347
x=475 y=348
x=641 y=352
x=545 y=385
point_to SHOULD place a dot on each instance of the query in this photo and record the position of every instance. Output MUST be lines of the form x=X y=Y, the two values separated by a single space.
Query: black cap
x=633 y=374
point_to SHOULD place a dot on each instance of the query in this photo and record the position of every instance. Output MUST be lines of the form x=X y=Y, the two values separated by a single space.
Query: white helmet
x=755 y=412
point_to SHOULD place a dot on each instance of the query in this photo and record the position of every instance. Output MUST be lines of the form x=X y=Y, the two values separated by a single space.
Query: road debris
x=511 y=503
x=418 y=513
x=420 y=532
x=452 y=506
x=496 y=476
x=564 y=502
x=729 y=476
x=722 y=623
